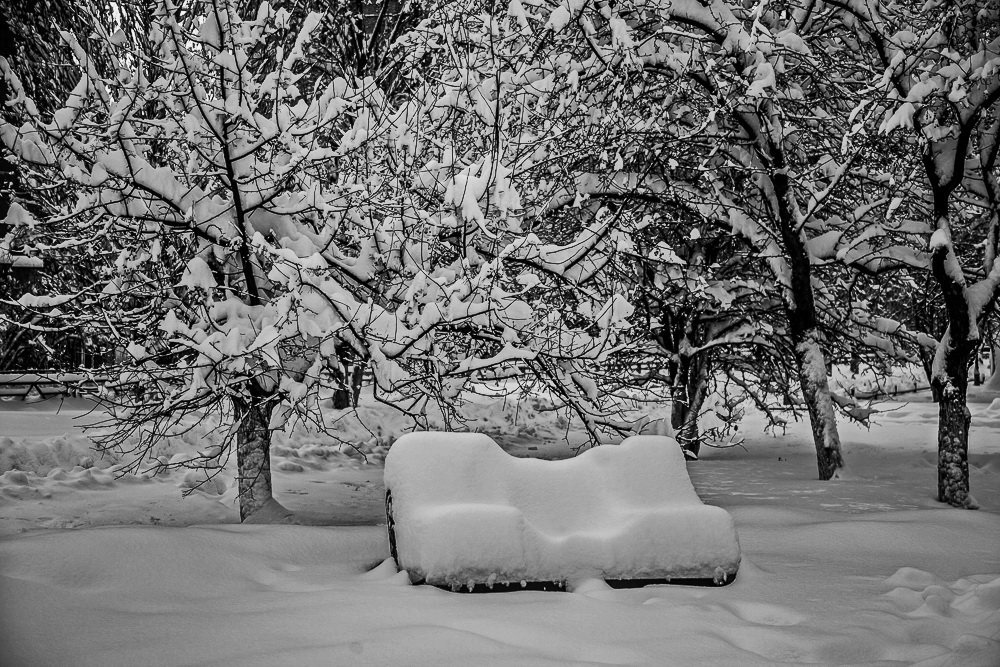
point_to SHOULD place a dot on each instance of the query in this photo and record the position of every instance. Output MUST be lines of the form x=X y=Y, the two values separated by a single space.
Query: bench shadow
x=560 y=586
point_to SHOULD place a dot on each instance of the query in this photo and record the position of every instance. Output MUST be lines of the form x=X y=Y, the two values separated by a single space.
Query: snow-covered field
x=868 y=569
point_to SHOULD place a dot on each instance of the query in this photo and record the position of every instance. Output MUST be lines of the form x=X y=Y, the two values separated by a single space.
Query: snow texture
x=467 y=513
x=866 y=570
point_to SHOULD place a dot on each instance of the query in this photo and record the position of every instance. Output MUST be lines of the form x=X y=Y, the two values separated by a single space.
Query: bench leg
x=390 y=525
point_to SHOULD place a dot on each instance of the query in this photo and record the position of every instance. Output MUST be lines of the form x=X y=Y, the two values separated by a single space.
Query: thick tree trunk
x=952 y=361
x=811 y=364
x=253 y=455
x=951 y=378
x=954 y=420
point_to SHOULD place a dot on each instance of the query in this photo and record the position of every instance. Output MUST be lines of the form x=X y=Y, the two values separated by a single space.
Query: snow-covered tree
x=252 y=234
x=703 y=316
x=29 y=38
x=761 y=169
x=797 y=172
x=507 y=160
x=188 y=168
x=625 y=109
x=939 y=66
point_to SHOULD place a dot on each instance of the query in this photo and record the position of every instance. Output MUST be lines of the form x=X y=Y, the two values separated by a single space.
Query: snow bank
x=290 y=595
x=41 y=458
x=967 y=609
x=867 y=570
x=466 y=512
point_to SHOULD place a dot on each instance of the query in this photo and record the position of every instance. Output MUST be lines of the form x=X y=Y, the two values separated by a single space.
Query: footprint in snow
x=761 y=613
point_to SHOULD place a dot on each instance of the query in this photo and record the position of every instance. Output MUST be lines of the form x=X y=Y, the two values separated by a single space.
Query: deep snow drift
x=868 y=569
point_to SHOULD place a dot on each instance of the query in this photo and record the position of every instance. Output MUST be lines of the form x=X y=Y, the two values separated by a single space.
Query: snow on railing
x=39 y=384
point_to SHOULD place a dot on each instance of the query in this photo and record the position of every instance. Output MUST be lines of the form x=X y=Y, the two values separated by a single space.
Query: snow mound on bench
x=465 y=512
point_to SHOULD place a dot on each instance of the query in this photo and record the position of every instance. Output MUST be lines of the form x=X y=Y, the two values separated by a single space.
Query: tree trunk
x=684 y=420
x=927 y=362
x=993 y=384
x=253 y=455
x=688 y=393
x=811 y=365
x=954 y=420
x=357 y=379
x=341 y=398
x=951 y=377
x=810 y=360
x=349 y=378
x=855 y=363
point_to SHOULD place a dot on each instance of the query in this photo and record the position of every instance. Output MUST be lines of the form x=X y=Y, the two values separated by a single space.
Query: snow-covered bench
x=462 y=512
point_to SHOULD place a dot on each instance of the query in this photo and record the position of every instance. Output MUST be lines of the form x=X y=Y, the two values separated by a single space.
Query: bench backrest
x=585 y=492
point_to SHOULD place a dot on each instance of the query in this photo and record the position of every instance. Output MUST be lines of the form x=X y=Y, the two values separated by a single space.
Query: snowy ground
x=868 y=569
